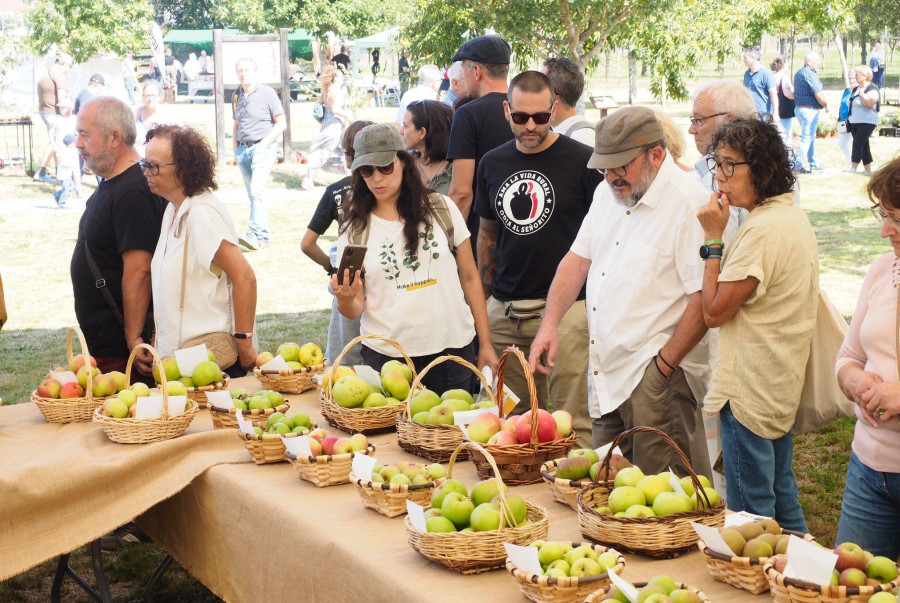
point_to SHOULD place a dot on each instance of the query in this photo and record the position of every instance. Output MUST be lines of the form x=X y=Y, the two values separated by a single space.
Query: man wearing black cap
x=94 y=88
x=480 y=125
x=637 y=252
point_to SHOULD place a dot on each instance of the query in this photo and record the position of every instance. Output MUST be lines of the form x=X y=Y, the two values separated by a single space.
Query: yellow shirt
x=764 y=348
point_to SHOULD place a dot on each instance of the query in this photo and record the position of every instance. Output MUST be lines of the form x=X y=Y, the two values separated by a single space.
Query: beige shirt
x=764 y=348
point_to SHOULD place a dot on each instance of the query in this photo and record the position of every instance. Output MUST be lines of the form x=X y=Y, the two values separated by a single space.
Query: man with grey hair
x=809 y=98
x=568 y=83
x=760 y=81
x=117 y=236
x=427 y=89
x=457 y=85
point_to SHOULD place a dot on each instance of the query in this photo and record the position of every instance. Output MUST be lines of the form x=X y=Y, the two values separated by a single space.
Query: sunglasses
x=520 y=119
x=421 y=103
x=366 y=171
x=149 y=166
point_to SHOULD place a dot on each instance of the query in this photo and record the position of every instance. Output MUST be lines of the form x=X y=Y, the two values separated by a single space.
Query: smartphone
x=352 y=260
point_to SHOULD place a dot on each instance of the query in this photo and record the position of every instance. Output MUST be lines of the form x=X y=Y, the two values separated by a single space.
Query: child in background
x=67 y=165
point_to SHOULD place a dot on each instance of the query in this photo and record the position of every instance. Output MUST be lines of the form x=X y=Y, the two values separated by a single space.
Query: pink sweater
x=870 y=344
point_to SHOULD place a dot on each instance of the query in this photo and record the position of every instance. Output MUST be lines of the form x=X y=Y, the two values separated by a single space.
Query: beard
x=532 y=144
x=634 y=192
x=100 y=163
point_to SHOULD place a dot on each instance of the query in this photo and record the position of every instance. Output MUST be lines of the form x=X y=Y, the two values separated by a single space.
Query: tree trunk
x=607 y=66
x=632 y=77
x=643 y=69
x=663 y=91
x=843 y=57
x=782 y=45
x=863 y=43
x=793 y=46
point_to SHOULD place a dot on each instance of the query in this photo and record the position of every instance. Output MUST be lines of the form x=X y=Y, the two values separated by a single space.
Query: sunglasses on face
x=520 y=119
x=366 y=171
x=149 y=166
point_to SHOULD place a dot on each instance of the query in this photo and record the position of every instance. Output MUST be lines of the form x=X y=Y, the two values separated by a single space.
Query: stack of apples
x=410 y=474
x=584 y=462
x=453 y=509
x=123 y=404
x=856 y=567
x=280 y=424
x=102 y=384
x=352 y=391
x=661 y=589
x=562 y=559
x=755 y=540
x=205 y=373
x=427 y=408
x=495 y=431
x=262 y=400
x=297 y=356
x=321 y=442
x=638 y=495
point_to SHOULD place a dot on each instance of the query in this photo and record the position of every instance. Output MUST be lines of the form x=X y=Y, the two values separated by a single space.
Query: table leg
x=99 y=572
x=61 y=566
x=151 y=583
x=63 y=569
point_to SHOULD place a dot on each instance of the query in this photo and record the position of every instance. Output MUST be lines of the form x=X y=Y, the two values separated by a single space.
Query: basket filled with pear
x=303 y=362
x=660 y=588
x=329 y=457
x=205 y=377
x=567 y=476
x=257 y=408
x=388 y=487
x=265 y=444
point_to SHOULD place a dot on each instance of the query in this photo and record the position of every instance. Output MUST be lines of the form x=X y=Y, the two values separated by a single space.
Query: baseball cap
x=492 y=50
x=376 y=145
x=620 y=136
x=98 y=78
x=69 y=139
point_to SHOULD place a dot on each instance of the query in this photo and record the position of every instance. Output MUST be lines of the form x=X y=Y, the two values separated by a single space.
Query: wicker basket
x=70 y=410
x=434 y=442
x=326 y=469
x=791 y=590
x=521 y=463
x=266 y=447
x=198 y=394
x=226 y=418
x=390 y=499
x=289 y=381
x=563 y=490
x=600 y=595
x=143 y=431
x=476 y=552
x=666 y=536
x=745 y=573
x=361 y=420
x=541 y=588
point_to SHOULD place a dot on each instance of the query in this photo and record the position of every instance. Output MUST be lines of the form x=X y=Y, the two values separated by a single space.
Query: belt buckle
x=100 y=283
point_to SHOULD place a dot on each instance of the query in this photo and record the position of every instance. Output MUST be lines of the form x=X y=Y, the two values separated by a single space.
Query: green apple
x=273 y=418
x=457 y=508
x=350 y=391
x=374 y=399
x=665 y=582
x=560 y=564
x=205 y=373
x=651 y=590
x=629 y=476
x=573 y=468
x=683 y=595
x=556 y=572
x=608 y=560
x=881 y=569
x=237 y=393
x=176 y=388
x=311 y=355
x=376 y=478
x=401 y=479
x=589 y=453
x=700 y=503
x=652 y=485
x=119 y=379
x=485 y=517
x=485 y=491
x=258 y=402
x=187 y=382
x=127 y=396
x=457 y=394
x=667 y=503
x=290 y=351
x=397 y=365
x=423 y=401
x=421 y=418
x=301 y=419
x=388 y=472
x=623 y=497
x=585 y=567
x=550 y=552
x=639 y=511
x=516 y=505
x=395 y=384
x=141 y=390
x=436 y=471
x=439 y=524
x=276 y=398
x=458 y=405
x=451 y=485
x=440 y=415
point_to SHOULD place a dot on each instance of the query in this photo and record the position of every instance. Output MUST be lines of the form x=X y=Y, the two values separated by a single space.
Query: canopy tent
x=185 y=41
x=381 y=39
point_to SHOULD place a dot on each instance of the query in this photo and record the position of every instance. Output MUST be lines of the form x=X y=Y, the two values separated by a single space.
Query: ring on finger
x=880 y=411
x=339 y=289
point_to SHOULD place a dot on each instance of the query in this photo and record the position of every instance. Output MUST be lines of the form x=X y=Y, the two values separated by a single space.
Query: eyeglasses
x=149 y=166
x=520 y=119
x=366 y=171
x=696 y=121
x=621 y=171
x=881 y=216
x=726 y=166
x=421 y=103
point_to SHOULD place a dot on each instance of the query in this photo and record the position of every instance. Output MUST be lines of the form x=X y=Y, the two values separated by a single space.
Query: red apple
x=342 y=446
x=850 y=555
x=483 y=427
x=104 y=385
x=852 y=577
x=328 y=444
x=502 y=438
x=509 y=424
x=71 y=390
x=49 y=388
x=78 y=361
x=780 y=563
x=563 y=422
x=315 y=447
x=318 y=434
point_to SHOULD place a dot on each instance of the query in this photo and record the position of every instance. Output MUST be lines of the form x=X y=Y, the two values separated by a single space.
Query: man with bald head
x=117 y=235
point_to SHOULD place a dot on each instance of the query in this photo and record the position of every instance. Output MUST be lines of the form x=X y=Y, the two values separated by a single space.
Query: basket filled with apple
x=265 y=444
x=70 y=395
x=304 y=362
x=355 y=405
x=752 y=544
x=660 y=588
x=426 y=425
x=538 y=435
x=857 y=576
x=644 y=514
x=256 y=408
x=570 y=571
x=567 y=476
x=155 y=419
x=330 y=458
x=465 y=531
x=388 y=488
x=206 y=377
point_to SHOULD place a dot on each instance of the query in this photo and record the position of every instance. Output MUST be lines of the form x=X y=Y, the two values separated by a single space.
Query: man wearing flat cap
x=480 y=125
x=637 y=252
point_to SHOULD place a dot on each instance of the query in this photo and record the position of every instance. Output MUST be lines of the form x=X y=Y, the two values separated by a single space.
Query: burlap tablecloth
x=259 y=533
x=64 y=485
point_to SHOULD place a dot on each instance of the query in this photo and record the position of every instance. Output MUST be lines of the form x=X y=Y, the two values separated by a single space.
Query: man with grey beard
x=637 y=252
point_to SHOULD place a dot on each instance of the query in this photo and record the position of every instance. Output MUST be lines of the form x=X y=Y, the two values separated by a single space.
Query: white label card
x=244 y=426
x=275 y=364
x=369 y=375
x=464 y=417
x=416 y=515
x=189 y=358
x=295 y=446
x=149 y=407
x=177 y=405
x=362 y=466
x=712 y=538
x=742 y=517
x=525 y=557
x=630 y=592
x=601 y=452
x=63 y=377
x=220 y=399
x=809 y=562
x=673 y=481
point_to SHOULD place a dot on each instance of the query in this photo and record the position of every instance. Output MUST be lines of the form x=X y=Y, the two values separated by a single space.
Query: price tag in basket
x=362 y=465
x=177 y=405
x=416 y=515
x=712 y=538
x=244 y=426
x=464 y=417
x=298 y=446
x=630 y=592
x=809 y=562
x=220 y=399
x=742 y=517
x=601 y=452
x=369 y=375
x=275 y=364
x=149 y=407
x=63 y=377
x=525 y=557
x=510 y=399
x=673 y=481
x=189 y=358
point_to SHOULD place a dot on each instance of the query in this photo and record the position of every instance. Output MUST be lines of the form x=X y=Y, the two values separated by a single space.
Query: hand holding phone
x=352 y=260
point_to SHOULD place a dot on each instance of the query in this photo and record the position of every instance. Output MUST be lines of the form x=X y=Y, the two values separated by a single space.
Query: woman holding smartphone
x=421 y=286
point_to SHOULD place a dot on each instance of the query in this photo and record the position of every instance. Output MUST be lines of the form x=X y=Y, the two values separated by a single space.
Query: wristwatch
x=244 y=335
x=708 y=253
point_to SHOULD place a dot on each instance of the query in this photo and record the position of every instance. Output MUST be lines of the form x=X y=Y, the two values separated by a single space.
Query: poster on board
x=266 y=54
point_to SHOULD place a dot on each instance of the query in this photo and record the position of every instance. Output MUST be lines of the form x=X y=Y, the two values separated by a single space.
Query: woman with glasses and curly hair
x=197 y=257
x=329 y=136
x=426 y=134
x=867 y=373
x=421 y=287
x=762 y=291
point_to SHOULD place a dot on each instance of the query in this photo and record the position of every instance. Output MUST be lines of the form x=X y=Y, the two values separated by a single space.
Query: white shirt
x=582 y=135
x=206 y=301
x=644 y=266
x=424 y=310
x=412 y=95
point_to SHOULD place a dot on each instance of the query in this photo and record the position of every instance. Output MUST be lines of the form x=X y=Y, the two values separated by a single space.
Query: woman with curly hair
x=197 y=256
x=762 y=291
x=329 y=136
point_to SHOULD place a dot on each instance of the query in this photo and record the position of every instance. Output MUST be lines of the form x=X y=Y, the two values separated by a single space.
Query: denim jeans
x=808 y=119
x=869 y=510
x=444 y=376
x=256 y=164
x=786 y=124
x=759 y=473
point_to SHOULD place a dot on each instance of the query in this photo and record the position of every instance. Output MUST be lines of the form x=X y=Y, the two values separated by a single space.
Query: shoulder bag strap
x=100 y=283
x=444 y=219
x=578 y=125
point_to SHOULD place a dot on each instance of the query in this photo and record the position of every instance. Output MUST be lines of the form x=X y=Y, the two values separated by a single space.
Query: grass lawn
x=294 y=304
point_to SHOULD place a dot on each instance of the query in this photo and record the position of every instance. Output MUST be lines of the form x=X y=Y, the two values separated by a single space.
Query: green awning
x=185 y=41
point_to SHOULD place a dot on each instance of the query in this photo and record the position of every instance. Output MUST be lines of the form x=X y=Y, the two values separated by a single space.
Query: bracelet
x=660 y=356
x=718 y=242
x=243 y=335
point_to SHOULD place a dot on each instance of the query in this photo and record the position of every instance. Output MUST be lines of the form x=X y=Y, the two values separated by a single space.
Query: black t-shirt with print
x=329 y=205
x=539 y=201
x=122 y=215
